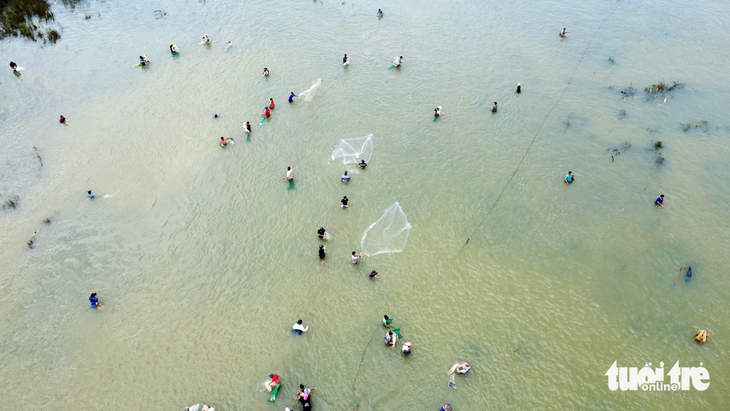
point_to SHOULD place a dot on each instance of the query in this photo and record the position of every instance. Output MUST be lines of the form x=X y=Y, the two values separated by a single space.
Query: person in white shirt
x=345 y=178
x=298 y=328
x=355 y=257
x=289 y=174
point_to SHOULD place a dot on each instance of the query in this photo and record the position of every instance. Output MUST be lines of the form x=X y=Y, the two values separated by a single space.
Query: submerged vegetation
x=698 y=125
x=23 y=18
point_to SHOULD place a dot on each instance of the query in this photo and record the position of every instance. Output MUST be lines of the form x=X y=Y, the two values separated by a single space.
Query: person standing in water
x=356 y=257
x=62 y=120
x=346 y=60
x=363 y=164
x=437 y=111
x=143 y=60
x=322 y=249
x=267 y=112
x=173 y=48
x=206 y=39
x=13 y=66
x=271 y=103
x=519 y=88
x=266 y=72
x=88 y=194
x=289 y=174
x=373 y=275
x=345 y=178
x=494 y=107
x=321 y=233
x=570 y=177
x=94 y=301
x=247 y=127
x=380 y=13
x=659 y=201
x=564 y=33
x=398 y=61
x=291 y=97
x=344 y=202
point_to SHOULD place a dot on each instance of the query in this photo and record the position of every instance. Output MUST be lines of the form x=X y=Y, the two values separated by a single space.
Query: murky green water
x=204 y=259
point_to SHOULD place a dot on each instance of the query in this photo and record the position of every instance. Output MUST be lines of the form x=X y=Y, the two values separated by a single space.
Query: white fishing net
x=387 y=235
x=308 y=94
x=352 y=150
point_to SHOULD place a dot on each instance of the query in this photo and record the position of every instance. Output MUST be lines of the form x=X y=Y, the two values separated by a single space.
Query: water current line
x=533 y=140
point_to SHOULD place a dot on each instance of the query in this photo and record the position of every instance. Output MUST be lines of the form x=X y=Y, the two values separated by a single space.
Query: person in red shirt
x=267 y=112
x=274 y=381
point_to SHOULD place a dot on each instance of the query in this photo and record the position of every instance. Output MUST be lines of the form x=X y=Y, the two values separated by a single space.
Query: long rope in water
x=363 y=357
x=531 y=143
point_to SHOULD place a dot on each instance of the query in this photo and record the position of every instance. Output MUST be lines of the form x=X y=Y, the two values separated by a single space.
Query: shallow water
x=204 y=259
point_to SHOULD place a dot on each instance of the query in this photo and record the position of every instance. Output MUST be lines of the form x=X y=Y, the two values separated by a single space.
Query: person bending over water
x=564 y=33
x=570 y=177
x=345 y=178
x=266 y=72
x=224 y=141
x=88 y=194
x=13 y=66
x=62 y=120
x=659 y=201
x=143 y=60
x=373 y=275
x=389 y=339
x=406 y=348
x=94 y=300
x=298 y=328
x=173 y=48
x=398 y=61
x=321 y=233
x=344 y=202
x=437 y=111
x=387 y=321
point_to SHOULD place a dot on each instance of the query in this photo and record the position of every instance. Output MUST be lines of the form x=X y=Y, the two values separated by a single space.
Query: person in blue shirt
x=345 y=178
x=659 y=201
x=569 y=177
x=88 y=194
x=94 y=300
x=291 y=97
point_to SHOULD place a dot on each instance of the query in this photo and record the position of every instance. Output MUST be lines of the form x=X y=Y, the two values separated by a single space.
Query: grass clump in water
x=21 y=18
x=661 y=87
x=11 y=202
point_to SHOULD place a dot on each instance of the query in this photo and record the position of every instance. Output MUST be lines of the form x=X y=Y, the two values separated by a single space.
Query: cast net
x=387 y=235
x=352 y=150
x=308 y=94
